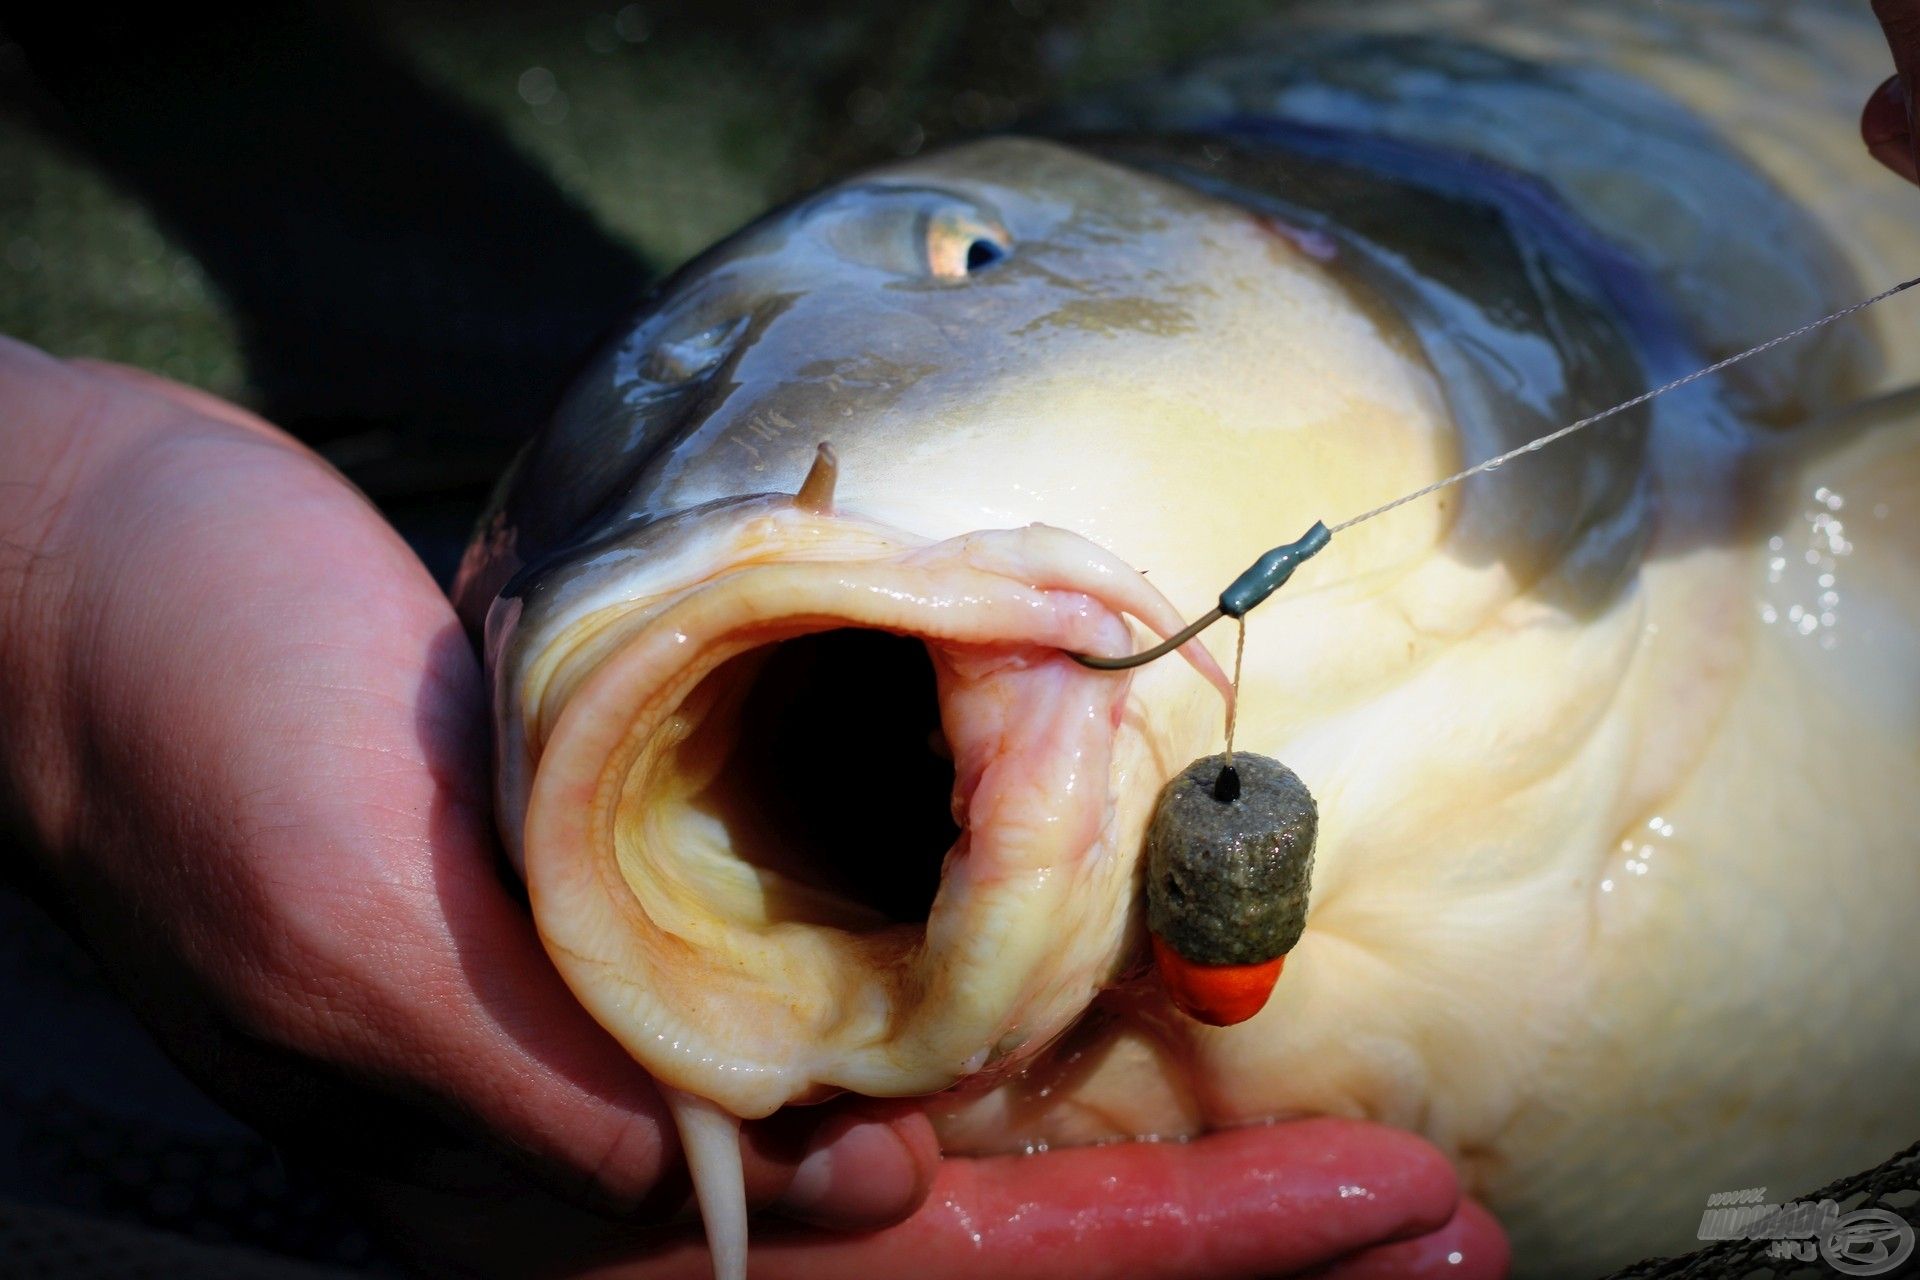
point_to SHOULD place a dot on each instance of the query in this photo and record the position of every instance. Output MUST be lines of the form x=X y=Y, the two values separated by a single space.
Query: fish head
x=1007 y=332
x=808 y=791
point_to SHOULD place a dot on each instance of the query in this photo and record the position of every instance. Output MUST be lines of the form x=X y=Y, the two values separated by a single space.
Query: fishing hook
x=1263 y=577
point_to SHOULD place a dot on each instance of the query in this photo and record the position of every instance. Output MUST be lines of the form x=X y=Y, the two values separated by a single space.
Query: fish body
x=1613 y=748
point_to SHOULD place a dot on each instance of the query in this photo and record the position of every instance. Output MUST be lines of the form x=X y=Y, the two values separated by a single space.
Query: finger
x=193 y=399
x=1900 y=19
x=1885 y=128
x=1471 y=1246
x=1888 y=124
x=1242 y=1203
x=1246 y=1202
x=869 y=1164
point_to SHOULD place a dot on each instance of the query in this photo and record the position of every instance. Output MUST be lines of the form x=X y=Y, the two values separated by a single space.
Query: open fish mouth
x=841 y=812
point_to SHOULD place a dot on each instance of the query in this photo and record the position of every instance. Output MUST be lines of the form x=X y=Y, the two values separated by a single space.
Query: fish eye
x=920 y=233
x=959 y=245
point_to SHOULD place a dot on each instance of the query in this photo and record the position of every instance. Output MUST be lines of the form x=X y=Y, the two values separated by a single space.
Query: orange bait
x=1219 y=995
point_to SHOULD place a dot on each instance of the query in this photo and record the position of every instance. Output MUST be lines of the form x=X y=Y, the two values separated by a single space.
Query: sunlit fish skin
x=1613 y=748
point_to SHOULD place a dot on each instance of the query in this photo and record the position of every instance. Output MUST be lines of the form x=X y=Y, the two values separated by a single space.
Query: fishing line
x=1233 y=704
x=1226 y=786
x=1269 y=573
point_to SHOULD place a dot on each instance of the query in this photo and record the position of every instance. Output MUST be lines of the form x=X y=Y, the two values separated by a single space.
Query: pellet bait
x=1229 y=859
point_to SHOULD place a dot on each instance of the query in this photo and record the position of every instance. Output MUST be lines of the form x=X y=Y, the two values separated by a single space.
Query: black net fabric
x=1893 y=1186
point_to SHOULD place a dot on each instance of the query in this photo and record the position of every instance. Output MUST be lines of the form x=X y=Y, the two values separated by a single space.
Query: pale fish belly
x=1642 y=941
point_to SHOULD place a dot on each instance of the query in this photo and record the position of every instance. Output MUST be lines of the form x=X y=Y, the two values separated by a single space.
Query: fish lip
x=684 y=649
x=531 y=632
x=956 y=593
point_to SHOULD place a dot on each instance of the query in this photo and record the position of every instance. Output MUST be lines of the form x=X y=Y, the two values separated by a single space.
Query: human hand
x=1888 y=124
x=246 y=744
